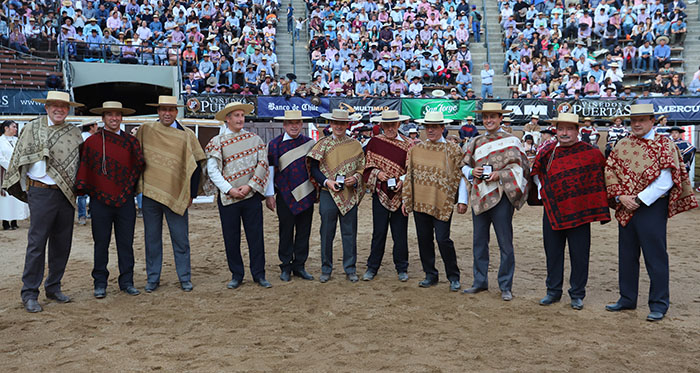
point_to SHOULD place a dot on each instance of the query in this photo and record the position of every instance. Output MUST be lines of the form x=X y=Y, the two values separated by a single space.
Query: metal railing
x=486 y=32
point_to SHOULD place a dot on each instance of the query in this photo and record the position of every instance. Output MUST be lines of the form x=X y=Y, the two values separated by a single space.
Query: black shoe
x=13 y=225
x=264 y=283
x=549 y=299
x=655 y=316
x=303 y=274
x=617 y=307
x=186 y=286
x=285 y=276
x=151 y=287
x=5 y=225
x=131 y=290
x=474 y=290
x=427 y=282
x=455 y=285
x=352 y=277
x=234 y=284
x=58 y=297
x=577 y=304
x=100 y=293
x=32 y=306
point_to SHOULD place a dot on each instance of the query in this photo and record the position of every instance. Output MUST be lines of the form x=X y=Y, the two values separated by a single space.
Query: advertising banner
x=675 y=108
x=451 y=109
x=274 y=106
x=597 y=109
x=524 y=109
x=366 y=106
x=205 y=106
x=17 y=101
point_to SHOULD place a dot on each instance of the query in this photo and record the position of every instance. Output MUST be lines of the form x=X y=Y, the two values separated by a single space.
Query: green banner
x=451 y=109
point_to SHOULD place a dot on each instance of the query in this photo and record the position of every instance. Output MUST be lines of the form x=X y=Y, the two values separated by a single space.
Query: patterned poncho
x=110 y=167
x=242 y=158
x=57 y=145
x=432 y=179
x=505 y=153
x=635 y=163
x=573 y=185
x=341 y=156
x=388 y=155
x=291 y=175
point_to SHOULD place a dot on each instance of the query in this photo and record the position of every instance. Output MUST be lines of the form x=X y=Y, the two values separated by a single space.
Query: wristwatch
x=637 y=200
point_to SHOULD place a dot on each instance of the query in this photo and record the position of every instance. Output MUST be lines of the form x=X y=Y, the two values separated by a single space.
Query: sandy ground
x=340 y=326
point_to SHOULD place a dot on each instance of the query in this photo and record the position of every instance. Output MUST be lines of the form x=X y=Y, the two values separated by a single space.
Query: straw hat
x=566 y=118
x=438 y=93
x=57 y=96
x=492 y=107
x=233 y=106
x=112 y=106
x=664 y=38
x=292 y=115
x=639 y=110
x=66 y=3
x=434 y=117
x=389 y=116
x=87 y=123
x=166 y=101
x=412 y=130
x=340 y=115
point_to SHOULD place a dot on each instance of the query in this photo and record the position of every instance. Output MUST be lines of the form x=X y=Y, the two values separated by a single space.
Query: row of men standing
x=426 y=179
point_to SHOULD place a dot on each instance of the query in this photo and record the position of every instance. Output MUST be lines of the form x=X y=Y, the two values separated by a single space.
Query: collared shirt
x=660 y=186
x=37 y=171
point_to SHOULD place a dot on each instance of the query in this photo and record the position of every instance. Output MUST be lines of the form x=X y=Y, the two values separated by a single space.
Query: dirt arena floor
x=339 y=326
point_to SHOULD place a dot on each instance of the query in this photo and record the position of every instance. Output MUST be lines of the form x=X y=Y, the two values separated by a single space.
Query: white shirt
x=37 y=171
x=463 y=194
x=660 y=186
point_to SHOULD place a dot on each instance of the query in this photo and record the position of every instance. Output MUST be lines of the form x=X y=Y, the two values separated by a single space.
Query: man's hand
x=399 y=184
x=494 y=177
x=332 y=185
x=628 y=202
x=382 y=176
x=403 y=210
x=477 y=172
x=461 y=208
x=270 y=203
x=244 y=190
x=234 y=193
x=351 y=180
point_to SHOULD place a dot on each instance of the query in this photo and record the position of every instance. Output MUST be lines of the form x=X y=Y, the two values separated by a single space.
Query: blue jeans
x=476 y=27
x=486 y=88
x=228 y=75
x=139 y=200
x=82 y=206
x=644 y=63
x=296 y=33
x=153 y=212
x=462 y=88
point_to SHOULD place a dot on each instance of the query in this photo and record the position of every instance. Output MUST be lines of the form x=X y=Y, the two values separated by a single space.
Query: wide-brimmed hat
x=292 y=115
x=340 y=115
x=434 y=117
x=566 y=118
x=492 y=107
x=549 y=130
x=412 y=130
x=389 y=116
x=233 y=106
x=535 y=116
x=676 y=128
x=57 y=96
x=87 y=122
x=438 y=93
x=66 y=3
x=166 y=101
x=664 y=38
x=638 y=110
x=112 y=106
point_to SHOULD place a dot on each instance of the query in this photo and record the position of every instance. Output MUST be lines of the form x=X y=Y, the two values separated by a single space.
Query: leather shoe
x=151 y=287
x=264 y=283
x=58 y=297
x=427 y=282
x=577 y=304
x=285 y=276
x=474 y=290
x=32 y=306
x=131 y=290
x=303 y=274
x=352 y=277
x=324 y=277
x=617 y=307
x=369 y=275
x=100 y=293
x=655 y=316
x=549 y=299
x=186 y=286
x=403 y=276
x=234 y=284
x=506 y=295
x=455 y=285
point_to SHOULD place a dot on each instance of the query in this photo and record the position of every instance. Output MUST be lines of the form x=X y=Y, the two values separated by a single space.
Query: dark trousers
x=178 y=225
x=51 y=220
x=501 y=216
x=579 y=240
x=646 y=232
x=294 y=233
x=250 y=212
x=382 y=218
x=123 y=219
x=348 y=231
x=428 y=227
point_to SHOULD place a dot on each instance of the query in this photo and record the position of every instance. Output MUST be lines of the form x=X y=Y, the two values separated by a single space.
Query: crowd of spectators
x=552 y=49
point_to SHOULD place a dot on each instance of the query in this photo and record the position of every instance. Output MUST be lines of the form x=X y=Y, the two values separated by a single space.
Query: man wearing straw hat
x=336 y=164
x=433 y=181
x=110 y=167
x=295 y=194
x=647 y=183
x=42 y=172
x=169 y=183
x=497 y=167
x=238 y=168
x=570 y=181
x=384 y=172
